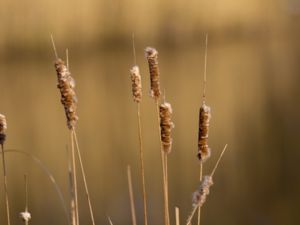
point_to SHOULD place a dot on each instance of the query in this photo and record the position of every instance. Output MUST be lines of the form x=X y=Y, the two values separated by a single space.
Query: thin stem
x=133 y=48
x=54 y=47
x=219 y=159
x=142 y=163
x=5 y=186
x=84 y=178
x=67 y=58
x=74 y=177
x=71 y=187
x=205 y=68
x=133 y=215
x=26 y=197
x=163 y=160
x=189 y=220
x=177 y=216
x=200 y=178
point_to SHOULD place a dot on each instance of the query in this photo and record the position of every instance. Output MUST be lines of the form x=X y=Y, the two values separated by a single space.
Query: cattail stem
x=200 y=178
x=74 y=179
x=84 y=178
x=26 y=197
x=142 y=163
x=71 y=186
x=5 y=185
x=163 y=160
x=132 y=205
x=177 y=218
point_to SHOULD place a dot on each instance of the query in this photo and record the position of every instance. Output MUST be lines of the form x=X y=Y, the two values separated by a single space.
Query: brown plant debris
x=152 y=57
x=66 y=85
x=166 y=125
x=204 y=118
x=199 y=196
x=136 y=84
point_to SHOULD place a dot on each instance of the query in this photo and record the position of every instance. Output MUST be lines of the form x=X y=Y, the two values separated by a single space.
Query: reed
x=3 y=127
x=204 y=119
x=66 y=85
x=137 y=98
x=152 y=58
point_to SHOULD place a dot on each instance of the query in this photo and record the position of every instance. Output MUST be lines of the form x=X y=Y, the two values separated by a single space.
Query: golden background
x=253 y=78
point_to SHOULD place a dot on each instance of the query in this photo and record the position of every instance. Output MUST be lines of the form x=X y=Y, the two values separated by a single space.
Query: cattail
x=3 y=127
x=151 y=55
x=66 y=85
x=166 y=125
x=136 y=84
x=204 y=118
x=199 y=196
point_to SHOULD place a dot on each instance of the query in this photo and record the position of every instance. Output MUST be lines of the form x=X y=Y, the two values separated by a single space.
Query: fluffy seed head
x=166 y=125
x=136 y=84
x=25 y=216
x=3 y=127
x=66 y=85
x=152 y=55
x=204 y=118
x=199 y=196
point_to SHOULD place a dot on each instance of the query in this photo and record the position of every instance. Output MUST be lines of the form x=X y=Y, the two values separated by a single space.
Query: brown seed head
x=166 y=125
x=66 y=85
x=199 y=196
x=204 y=118
x=151 y=55
x=3 y=127
x=136 y=84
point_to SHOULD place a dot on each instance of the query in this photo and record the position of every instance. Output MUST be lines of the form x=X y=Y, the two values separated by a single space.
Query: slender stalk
x=200 y=178
x=84 y=178
x=142 y=163
x=26 y=197
x=164 y=169
x=133 y=215
x=5 y=185
x=189 y=220
x=74 y=177
x=71 y=186
x=177 y=216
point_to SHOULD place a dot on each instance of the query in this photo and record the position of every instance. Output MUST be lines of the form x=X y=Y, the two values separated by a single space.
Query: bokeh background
x=253 y=89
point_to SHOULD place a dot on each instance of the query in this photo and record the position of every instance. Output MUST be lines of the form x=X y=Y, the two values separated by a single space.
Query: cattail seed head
x=152 y=55
x=204 y=118
x=136 y=84
x=199 y=196
x=166 y=125
x=25 y=216
x=66 y=85
x=3 y=127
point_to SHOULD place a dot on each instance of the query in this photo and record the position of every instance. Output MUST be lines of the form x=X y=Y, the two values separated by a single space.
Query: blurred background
x=252 y=88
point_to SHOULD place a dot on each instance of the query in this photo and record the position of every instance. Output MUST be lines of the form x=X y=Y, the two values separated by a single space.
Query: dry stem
x=84 y=178
x=142 y=163
x=132 y=205
x=74 y=178
x=5 y=185
x=164 y=169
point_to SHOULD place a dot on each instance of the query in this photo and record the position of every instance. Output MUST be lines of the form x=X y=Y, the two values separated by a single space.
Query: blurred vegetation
x=253 y=77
